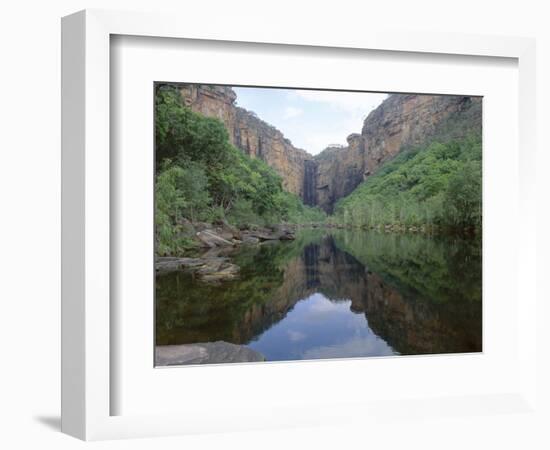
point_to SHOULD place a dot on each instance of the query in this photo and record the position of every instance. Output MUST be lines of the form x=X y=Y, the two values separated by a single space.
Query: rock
x=250 y=240
x=287 y=237
x=286 y=234
x=227 y=235
x=210 y=267
x=201 y=226
x=227 y=231
x=217 y=269
x=264 y=234
x=231 y=230
x=191 y=263
x=210 y=239
x=167 y=264
x=171 y=264
x=187 y=228
x=205 y=353
x=398 y=122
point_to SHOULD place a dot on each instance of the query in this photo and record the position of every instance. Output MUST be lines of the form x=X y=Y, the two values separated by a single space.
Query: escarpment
x=401 y=121
x=258 y=139
x=248 y=132
x=339 y=171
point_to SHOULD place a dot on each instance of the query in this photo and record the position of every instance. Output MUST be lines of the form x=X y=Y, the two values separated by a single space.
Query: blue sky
x=310 y=119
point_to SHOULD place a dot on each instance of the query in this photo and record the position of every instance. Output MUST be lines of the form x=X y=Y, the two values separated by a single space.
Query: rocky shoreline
x=216 y=242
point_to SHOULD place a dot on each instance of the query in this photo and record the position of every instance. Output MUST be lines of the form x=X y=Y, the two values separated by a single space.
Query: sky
x=311 y=119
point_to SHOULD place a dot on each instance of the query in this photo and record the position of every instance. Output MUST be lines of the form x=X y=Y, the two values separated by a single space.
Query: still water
x=332 y=294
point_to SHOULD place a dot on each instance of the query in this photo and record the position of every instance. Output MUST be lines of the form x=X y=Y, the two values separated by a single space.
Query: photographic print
x=301 y=224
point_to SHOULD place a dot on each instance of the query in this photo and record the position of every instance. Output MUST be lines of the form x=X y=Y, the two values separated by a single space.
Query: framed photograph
x=368 y=246
x=250 y=215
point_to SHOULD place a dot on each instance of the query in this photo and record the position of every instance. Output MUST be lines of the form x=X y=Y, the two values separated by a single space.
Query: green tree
x=437 y=185
x=463 y=196
x=200 y=175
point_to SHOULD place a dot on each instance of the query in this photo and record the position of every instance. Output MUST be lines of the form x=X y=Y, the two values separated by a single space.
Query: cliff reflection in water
x=334 y=294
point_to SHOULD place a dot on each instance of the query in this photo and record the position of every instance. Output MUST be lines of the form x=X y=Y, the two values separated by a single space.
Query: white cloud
x=347 y=101
x=322 y=305
x=296 y=336
x=291 y=111
x=355 y=347
x=311 y=119
x=319 y=140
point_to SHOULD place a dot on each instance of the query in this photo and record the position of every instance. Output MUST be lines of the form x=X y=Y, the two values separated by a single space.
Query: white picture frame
x=87 y=325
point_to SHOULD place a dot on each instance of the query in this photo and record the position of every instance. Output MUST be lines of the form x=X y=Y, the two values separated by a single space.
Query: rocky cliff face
x=401 y=121
x=255 y=137
x=258 y=139
x=339 y=171
x=408 y=120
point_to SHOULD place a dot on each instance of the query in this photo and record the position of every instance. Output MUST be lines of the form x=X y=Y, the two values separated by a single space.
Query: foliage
x=201 y=176
x=182 y=135
x=180 y=193
x=296 y=212
x=436 y=185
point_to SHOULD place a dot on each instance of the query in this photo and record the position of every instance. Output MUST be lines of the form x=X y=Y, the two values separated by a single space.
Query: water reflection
x=318 y=327
x=328 y=295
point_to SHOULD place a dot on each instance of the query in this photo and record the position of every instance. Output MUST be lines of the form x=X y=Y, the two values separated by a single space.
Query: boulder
x=227 y=231
x=286 y=234
x=218 y=352
x=250 y=240
x=231 y=230
x=225 y=234
x=167 y=264
x=201 y=226
x=210 y=239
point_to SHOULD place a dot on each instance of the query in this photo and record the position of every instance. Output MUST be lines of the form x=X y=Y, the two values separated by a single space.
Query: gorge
x=266 y=252
x=401 y=121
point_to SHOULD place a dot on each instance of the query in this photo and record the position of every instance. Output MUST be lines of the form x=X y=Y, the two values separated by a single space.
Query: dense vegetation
x=201 y=176
x=438 y=185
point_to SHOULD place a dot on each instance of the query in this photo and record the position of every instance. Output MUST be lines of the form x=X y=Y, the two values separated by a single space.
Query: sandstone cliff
x=255 y=137
x=258 y=139
x=339 y=171
x=401 y=121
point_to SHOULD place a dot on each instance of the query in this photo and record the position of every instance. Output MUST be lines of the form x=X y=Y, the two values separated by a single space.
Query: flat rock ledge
x=205 y=353
x=210 y=268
